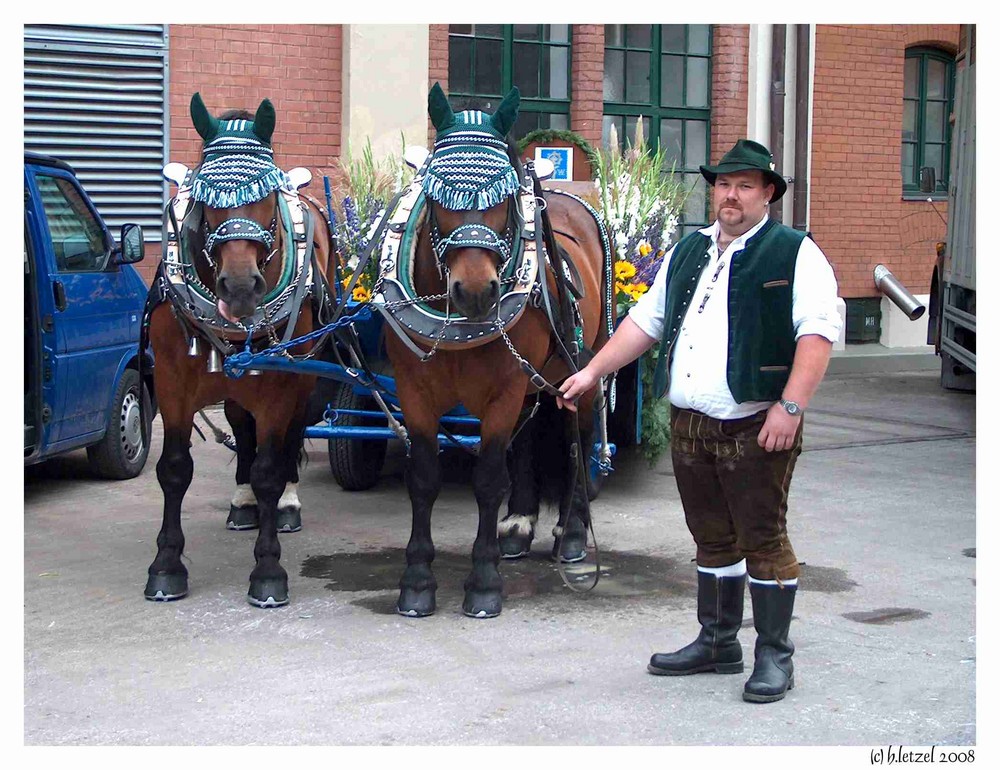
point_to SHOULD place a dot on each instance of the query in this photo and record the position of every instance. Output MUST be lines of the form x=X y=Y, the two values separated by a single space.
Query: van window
x=77 y=238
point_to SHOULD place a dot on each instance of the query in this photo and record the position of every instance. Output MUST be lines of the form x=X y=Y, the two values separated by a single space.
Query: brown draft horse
x=491 y=384
x=240 y=274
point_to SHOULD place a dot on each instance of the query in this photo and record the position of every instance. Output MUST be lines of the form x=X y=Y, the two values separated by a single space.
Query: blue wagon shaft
x=273 y=359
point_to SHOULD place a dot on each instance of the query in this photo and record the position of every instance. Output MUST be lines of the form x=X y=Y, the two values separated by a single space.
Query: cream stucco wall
x=385 y=87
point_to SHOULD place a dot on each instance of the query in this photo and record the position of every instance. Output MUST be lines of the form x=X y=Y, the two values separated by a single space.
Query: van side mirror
x=132 y=246
x=928 y=180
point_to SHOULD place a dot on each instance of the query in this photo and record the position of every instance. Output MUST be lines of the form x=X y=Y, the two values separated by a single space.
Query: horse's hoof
x=514 y=546
x=165 y=587
x=247 y=517
x=482 y=604
x=571 y=552
x=415 y=603
x=572 y=557
x=289 y=519
x=269 y=592
x=573 y=546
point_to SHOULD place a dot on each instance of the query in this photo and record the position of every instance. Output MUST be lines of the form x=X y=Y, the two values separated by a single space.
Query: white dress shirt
x=698 y=370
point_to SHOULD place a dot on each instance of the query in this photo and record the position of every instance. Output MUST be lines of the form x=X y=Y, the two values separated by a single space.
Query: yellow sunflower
x=624 y=270
x=637 y=290
x=361 y=294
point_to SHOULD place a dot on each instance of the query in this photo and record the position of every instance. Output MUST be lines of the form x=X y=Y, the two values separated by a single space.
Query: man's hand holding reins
x=626 y=344
x=575 y=386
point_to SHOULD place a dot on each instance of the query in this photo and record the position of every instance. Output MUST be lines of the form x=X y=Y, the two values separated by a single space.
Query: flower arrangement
x=364 y=187
x=641 y=200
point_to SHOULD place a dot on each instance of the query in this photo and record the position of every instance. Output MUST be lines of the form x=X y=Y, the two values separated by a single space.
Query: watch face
x=791 y=407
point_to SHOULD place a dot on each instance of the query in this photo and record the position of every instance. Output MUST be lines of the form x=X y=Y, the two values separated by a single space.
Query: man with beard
x=745 y=314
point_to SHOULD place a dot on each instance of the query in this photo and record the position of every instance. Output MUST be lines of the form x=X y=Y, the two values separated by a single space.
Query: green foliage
x=361 y=188
x=655 y=411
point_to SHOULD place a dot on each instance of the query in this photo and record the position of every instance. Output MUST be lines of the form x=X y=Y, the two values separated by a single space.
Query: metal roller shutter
x=97 y=98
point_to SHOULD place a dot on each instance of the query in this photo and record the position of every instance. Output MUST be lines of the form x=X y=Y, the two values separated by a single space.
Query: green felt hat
x=748 y=155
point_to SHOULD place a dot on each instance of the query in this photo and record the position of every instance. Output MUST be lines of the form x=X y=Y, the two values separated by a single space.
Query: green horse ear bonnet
x=470 y=168
x=237 y=160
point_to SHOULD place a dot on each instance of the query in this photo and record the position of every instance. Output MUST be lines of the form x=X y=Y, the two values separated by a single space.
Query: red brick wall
x=587 y=82
x=438 y=66
x=857 y=213
x=297 y=67
x=730 y=86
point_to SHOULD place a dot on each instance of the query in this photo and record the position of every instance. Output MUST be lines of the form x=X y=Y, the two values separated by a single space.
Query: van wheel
x=122 y=453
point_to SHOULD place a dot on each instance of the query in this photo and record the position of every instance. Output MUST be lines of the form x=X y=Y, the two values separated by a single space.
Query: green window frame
x=928 y=101
x=486 y=60
x=663 y=73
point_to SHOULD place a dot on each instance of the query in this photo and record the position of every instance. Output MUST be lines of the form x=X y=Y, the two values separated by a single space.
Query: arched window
x=928 y=95
x=485 y=60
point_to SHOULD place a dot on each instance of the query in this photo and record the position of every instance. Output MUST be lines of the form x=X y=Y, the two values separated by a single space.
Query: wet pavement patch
x=825 y=580
x=624 y=575
x=887 y=615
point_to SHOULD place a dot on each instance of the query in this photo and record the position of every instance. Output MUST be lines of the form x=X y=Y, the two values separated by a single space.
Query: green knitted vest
x=761 y=335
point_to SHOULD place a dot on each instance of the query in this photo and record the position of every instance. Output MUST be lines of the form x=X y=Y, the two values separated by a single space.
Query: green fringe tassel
x=204 y=191
x=495 y=191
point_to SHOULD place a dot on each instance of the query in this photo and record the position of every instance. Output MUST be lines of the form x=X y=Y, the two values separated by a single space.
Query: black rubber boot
x=773 y=673
x=716 y=650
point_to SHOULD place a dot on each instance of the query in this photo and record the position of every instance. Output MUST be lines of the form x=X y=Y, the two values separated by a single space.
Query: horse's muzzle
x=239 y=296
x=476 y=305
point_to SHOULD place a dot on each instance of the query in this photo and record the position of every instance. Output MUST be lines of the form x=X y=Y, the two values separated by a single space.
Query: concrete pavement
x=882 y=512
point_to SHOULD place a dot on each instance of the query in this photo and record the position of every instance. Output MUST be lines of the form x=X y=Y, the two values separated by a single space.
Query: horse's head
x=473 y=270
x=236 y=185
x=471 y=185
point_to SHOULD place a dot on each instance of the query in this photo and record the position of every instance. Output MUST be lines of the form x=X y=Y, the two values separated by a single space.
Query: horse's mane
x=236 y=115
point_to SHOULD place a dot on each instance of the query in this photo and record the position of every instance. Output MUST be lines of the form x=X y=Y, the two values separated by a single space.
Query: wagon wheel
x=356 y=463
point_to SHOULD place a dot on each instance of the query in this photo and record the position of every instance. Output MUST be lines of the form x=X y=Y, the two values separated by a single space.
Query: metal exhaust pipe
x=214 y=361
x=890 y=286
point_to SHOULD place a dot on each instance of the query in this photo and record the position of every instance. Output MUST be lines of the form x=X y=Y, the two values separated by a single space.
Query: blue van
x=83 y=304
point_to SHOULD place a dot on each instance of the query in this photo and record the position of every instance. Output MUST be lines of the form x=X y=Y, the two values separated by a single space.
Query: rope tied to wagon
x=235 y=366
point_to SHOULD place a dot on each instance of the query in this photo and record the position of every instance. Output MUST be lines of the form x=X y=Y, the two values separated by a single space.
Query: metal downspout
x=800 y=189
x=777 y=105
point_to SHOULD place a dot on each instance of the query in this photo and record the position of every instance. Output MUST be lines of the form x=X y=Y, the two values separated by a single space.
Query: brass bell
x=194 y=347
x=214 y=361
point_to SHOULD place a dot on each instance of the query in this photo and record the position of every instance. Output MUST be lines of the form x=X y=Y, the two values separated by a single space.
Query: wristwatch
x=790 y=406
